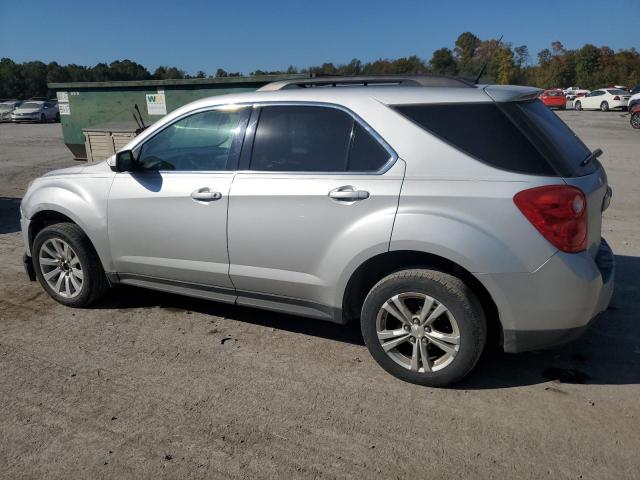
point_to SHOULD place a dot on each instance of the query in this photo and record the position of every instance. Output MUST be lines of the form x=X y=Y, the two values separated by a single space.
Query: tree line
x=588 y=67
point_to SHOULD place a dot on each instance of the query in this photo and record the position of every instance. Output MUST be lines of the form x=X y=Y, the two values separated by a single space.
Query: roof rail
x=370 y=80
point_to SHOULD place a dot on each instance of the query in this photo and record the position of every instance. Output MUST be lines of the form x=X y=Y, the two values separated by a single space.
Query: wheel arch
x=49 y=216
x=367 y=274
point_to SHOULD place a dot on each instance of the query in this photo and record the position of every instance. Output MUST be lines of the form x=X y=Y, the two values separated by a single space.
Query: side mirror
x=125 y=162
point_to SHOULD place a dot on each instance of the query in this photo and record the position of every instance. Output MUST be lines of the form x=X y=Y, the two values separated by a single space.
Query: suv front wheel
x=67 y=265
x=424 y=326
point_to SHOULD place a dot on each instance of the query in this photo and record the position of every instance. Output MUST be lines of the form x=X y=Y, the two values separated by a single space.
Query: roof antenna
x=487 y=61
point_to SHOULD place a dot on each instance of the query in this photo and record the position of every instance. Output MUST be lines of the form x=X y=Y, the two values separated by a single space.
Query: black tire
x=42 y=118
x=446 y=289
x=58 y=117
x=577 y=106
x=94 y=282
x=604 y=107
x=635 y=120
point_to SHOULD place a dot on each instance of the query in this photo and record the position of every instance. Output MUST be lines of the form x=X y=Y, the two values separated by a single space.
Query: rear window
x=554 y=93
x=523 y=137
x=617 y=91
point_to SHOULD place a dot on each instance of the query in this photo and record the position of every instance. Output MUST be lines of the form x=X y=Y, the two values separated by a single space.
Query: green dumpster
x=83 y=105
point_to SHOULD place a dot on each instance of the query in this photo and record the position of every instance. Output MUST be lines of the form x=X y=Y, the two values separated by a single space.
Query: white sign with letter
x=156 y=104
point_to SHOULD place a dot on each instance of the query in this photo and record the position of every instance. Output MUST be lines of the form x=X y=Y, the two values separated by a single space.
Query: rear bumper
x=554 y=304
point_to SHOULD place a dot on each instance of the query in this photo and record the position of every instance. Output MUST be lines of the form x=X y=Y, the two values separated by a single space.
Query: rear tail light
x=559 y=213
x=616 y=97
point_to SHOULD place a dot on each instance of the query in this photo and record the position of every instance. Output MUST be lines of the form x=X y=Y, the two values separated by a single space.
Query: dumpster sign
x=156 y=104
x=63 y=103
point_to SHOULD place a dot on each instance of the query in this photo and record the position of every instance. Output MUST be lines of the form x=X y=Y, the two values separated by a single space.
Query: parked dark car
x=635 y=116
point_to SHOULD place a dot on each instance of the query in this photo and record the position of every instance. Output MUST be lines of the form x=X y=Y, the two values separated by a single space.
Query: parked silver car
x=437 y=213
x=6 y=108
x=36 y=111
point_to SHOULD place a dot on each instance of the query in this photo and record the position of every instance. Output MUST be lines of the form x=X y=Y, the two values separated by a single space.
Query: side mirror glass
x=125 y=162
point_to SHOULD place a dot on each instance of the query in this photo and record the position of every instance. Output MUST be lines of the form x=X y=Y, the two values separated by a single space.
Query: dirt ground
x=151 y=385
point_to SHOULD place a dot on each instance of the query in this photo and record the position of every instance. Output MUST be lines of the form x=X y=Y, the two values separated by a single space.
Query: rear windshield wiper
x=595 y=154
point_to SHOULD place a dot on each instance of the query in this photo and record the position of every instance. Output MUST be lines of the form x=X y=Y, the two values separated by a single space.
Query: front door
x=167 y=218
x=319 y=189
x=593 y=99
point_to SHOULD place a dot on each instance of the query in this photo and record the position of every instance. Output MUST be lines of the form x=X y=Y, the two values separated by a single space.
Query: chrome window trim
x=393 y=156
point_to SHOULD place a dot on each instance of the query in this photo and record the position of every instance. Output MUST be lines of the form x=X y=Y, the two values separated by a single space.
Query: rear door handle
x=205 y=194
x=348 y=194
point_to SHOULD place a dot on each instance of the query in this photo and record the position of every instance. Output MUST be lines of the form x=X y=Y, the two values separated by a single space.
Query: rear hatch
x=568 y=156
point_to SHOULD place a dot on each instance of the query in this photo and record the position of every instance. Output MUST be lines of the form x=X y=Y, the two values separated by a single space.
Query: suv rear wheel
x=424 y=326
x=67 y=265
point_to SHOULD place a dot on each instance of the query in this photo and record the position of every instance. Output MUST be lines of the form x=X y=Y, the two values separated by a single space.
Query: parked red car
x=554 y=99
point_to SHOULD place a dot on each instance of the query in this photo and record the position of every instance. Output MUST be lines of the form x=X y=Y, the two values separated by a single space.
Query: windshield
x=555 y=140
x=31 y=105
x=4 y=107
x=617 y=91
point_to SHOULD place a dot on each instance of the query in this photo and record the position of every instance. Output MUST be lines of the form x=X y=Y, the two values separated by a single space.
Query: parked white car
x=604 y=99
x=36 y=111
x=6 y=108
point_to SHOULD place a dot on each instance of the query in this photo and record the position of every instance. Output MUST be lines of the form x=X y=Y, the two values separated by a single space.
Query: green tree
x=442 y=62
x=11 y=79
x=465 y=51
x=34 y=76
x=587 y=66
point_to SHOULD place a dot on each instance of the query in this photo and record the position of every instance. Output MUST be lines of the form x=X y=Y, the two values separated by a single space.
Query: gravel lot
x=151 y=385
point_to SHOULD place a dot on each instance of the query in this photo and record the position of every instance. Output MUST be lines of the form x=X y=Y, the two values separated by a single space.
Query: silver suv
x=438 y=213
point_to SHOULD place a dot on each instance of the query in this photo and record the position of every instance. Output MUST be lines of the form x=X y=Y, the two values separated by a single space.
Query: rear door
x=318 y=188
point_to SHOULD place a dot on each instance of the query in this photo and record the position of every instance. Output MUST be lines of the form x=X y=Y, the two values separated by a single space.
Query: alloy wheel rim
x=418 y=332
x=635 y=120
x=61 y=268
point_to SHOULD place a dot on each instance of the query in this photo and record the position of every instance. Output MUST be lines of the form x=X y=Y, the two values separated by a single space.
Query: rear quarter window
x=483 y=131
x=521 y=137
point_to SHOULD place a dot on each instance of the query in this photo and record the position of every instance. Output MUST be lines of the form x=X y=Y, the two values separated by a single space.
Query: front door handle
x=205 y=195
x=348 y=194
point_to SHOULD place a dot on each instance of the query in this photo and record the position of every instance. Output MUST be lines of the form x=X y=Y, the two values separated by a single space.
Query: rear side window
x=313 y=139
x=522 y=137
x=483 y=131
x=295 y=139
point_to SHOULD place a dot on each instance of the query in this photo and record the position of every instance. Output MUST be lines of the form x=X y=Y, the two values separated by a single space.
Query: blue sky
x=270 y=34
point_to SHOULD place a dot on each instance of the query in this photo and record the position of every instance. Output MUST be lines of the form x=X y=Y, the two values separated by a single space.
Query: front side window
x=313 y=139
x=199 y=142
